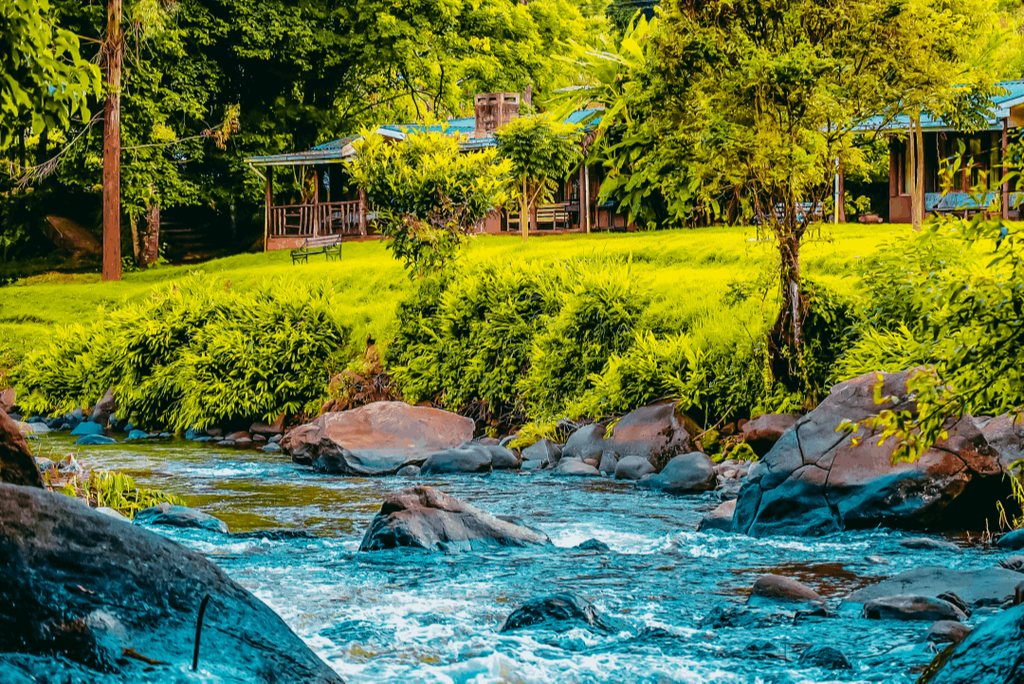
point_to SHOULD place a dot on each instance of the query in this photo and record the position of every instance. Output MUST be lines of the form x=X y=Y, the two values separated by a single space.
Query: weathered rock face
x=990 y=586
x=376 y=439
x=16 y=463
x=179 y=516
x=85 y=586
x=684 y=474
x=816 y=481
x=762 y=432
x=558 y=613
x=992 y=654
x=425 y=518
x=652 y=432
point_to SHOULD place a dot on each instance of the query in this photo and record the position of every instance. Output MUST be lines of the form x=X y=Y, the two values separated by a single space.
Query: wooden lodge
x=982 y=160
x=317 y=201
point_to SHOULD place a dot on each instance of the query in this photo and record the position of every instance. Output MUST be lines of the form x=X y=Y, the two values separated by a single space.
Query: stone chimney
x=494 y=110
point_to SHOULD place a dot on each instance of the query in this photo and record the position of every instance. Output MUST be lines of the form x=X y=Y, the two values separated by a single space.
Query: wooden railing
x=308 y=220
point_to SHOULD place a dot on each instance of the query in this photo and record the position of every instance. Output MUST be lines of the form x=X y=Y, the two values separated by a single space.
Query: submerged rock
x=947 y=632
x=928 y=544
x=84 y=587
x=558 y=613
x=815 y=481
x=684 y=474
x=425 y=518
x=593 y=545
x=825 y=657
x=17 y=466
x=992 y=654
x=179 y=516
x=912 y=608
x=990 y=586
x=376 y=439
x=94 y=440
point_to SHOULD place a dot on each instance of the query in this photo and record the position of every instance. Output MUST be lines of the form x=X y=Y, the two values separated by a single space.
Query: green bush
x=195 y=353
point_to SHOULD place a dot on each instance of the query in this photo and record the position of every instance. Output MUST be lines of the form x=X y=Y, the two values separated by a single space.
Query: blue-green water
x=407 y=616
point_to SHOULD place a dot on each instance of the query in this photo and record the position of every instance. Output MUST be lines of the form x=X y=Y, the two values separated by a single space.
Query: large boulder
x=986 y=587
x=816 y=480
x=502 y=458
x=762 y=432
x=376 y=439
x=992 y=654
x=425 y=518
x=17 y=466
x=586 y=443
x=87 y=588
x=106 y=407
x=684 y=474
x=652 y=432
x=468 y=458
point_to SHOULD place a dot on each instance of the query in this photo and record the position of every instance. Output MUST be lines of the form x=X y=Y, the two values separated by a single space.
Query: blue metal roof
x=1000 y=110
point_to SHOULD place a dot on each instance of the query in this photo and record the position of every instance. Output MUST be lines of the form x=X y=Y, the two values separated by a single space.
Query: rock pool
x=410 y=616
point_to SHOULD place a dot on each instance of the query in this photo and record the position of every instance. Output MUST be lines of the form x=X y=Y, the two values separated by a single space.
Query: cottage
x=983 y=154
x=327 y=206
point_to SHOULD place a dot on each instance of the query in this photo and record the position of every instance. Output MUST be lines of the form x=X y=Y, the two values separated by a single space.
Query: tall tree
x=540 y=151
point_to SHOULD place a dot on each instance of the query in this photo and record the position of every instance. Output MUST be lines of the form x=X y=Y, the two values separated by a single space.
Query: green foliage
x=44 y=80
x=112 y=490
x=428 y=193
x=195 y=353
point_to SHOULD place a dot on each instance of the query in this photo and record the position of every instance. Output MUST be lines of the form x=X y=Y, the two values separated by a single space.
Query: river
x=409 y=616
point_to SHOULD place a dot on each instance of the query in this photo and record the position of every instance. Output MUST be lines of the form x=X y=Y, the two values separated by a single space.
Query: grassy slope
x=688 y=271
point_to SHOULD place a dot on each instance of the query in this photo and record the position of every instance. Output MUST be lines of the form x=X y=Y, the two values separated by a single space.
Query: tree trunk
x=785 y=340
x=915 y=177
x=151 y=245
x=524 y=214
x=112 y=146
x=133 y=225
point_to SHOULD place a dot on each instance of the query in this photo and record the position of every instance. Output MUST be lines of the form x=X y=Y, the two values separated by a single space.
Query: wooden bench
x=550 y=213
x=328 y=245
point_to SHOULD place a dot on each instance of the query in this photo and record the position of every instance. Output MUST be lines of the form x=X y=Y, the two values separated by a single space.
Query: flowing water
x=413 y=616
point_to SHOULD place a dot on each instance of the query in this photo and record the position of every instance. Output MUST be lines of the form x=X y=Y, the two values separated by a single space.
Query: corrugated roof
x=464 y=127
x=1001 y=105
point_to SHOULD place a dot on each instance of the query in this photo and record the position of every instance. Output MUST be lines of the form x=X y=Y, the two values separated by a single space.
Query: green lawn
x=688 y=271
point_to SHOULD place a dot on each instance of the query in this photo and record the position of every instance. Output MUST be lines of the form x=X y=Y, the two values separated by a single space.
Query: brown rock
x=947 y=632
x=912 y=608
x=237 y=437
x=762 y=432
x=423 y=517
x=720 y=518
x=106 y=407
x=652 y=432
x=262 y=428
x=8 y=399
x=783 y=589
x=17 y=466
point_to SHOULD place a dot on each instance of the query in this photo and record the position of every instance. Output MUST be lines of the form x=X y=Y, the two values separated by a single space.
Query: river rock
x=652 y=432
x=987 y=587
x=1012 y=541
x=409 y=471
x=779 y=589
x=908 y=607
x=271 y=448
x=585 y=443
x=947 y=632
x=570 y=467
x=593 y=545
x=236 y=436
x=633 y=468
x=8 y=400
x=1015 y=562
x=720 y=518
x=135 y=434
x=501 y=458
x=179 y=516
x=762 y=432
x=928 y=544
x=87 y=428
x=425 y=518
x=684 y=474
x=268 y=429
x=81 y=587
x=104 y=409
x=94 y=440
x=544 y=451
x=17 y=467
x=558 y=613
x=815 y=481
x=825 y=657
x=376 y=439
x=468 y=458
x=992 y=654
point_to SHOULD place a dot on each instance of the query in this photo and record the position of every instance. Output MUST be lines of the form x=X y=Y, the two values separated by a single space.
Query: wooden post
x=316 y=202
x=362 y=212
x=841 y=203
x=266 y=215
x=586 y=193
x=1005 y=189
x=112 y=146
